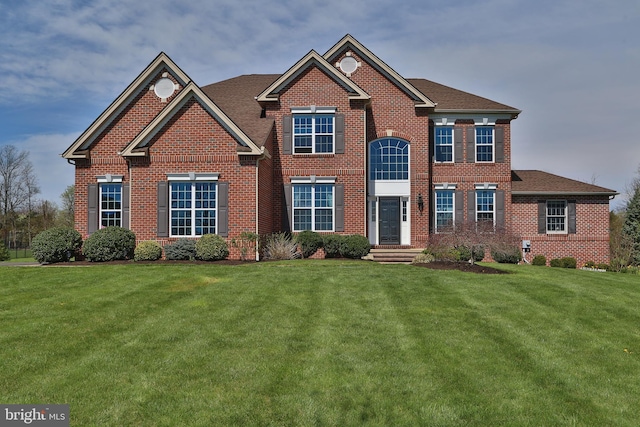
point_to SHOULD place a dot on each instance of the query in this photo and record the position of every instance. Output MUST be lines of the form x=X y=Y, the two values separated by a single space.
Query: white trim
x=193 y=210
x=108 y=178
x=313 y=207
x=486 y=186
x=193 y=176
x=493 y=143
x=313 y=109
x=566 y=217
x=446 y=186
x=312 y=179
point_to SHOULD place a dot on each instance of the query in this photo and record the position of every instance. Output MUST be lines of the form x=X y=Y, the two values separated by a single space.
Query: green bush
x=566 y=262
x=147 y=251
x=464 y=253
x=55 y=245
x=332 y=244
x=556 y=262
x=309 y=242
x=539 y=260
x=423 y=258
x=280 y=246
x=109 y=244
x=4 y=252
x=211 y=247
x=182 y=250
x=506 y=254
x=355 y=246
x=603 y=266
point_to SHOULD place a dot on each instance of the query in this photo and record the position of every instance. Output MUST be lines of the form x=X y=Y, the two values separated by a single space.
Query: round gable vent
x=348 y=64
x=164 y=88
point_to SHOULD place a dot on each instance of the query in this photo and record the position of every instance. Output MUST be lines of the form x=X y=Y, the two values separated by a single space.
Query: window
x=404 y=210
x=389 y=159
x=110 y=205
x=444 y=210
x=484 y=144
x=556 y=216
x=313 y=207
x=193 y=208
x=485 y=207
x=444 y=144
x=313 y=133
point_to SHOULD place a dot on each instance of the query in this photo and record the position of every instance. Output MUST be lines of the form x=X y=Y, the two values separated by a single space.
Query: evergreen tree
x=631 y=228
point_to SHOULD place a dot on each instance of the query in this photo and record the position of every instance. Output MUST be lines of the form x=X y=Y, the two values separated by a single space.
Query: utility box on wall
x=526 y=245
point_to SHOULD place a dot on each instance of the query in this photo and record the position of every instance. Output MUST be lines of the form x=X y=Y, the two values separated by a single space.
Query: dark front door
x=389 y=220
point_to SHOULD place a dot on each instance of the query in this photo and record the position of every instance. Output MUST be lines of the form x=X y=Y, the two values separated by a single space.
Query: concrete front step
x=392 y=255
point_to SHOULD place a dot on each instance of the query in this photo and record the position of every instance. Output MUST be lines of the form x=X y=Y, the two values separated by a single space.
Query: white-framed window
x=389 y=160
x=313 y=133
x=111 y=204
x=192 y=204
x=484 y=144
x=444 y=204
x=485 y=208
x=556 y=216
x=405 y=202
x=444 y=144
x=313 y=204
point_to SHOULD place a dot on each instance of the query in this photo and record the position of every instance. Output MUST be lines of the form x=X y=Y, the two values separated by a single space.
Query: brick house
x=339 y=143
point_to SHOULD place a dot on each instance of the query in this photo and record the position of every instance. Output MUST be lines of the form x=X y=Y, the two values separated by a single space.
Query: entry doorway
x=389 y=220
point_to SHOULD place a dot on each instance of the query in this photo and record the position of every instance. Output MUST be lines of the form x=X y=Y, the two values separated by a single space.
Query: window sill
x=326 y=155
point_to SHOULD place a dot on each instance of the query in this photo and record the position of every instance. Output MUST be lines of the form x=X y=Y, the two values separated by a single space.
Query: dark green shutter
x=499 y=131
x=93 y=202
x=339 y=133
x=287 y=220
x=339 y=207
x=223 y=209
x=571 y=216
x=458 y=144
x=125 y=206
x=163 y=209
x=542 y=217
x=471 y=145
x=286 y=134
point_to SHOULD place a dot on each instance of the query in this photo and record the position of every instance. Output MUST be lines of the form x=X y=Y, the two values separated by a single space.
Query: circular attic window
x=348 y=64
x=164 y=88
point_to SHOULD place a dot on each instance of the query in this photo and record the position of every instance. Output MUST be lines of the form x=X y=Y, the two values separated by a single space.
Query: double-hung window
x=313 y=133
x=193 y=205
x=556 y=216
x=444 y=143
x=484 y=144
x=313 y=206
x=485 y=209
x=444 y=210
x=111 y=205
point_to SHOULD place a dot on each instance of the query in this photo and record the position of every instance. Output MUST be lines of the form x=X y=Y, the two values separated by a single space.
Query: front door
x=389 y=220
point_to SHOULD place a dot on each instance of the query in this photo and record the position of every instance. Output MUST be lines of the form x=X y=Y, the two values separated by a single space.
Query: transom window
x=193 y=208
x=485 y=207
x=444 y=210
x=110 y=205
x=484 y=144
x=556 y=216
x=313 y=207
x=313 y=133
x=444 y=144
x=389 y=159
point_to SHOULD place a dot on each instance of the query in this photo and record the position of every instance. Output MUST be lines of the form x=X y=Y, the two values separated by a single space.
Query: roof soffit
x=348 y=42
x=79 y=148
x=190 y=91
x=309 y=60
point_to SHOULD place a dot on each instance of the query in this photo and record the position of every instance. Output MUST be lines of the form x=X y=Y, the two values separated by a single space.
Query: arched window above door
x=389 y=159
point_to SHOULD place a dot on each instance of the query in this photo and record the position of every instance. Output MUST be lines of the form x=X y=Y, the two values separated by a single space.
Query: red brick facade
x=240 y=137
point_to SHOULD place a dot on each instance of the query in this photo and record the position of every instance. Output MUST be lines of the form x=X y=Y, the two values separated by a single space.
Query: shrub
x=464 y=253
x=556 y=262
x=539 y=260
x=506 y=254
x=603 y=266
x=182 y=250
x=246 y=244
x=4 y=252
x=332 y=244
x=55 y=245
x=280 y=246
x=147 y=251
x=444 y=253
x=355 y=246
x=423 y=258
x=566 y=262
x=109 y=244
x=211 y=247
x=309 y=242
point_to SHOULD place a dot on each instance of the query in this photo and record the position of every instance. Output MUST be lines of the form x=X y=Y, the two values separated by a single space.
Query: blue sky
x=572 y=67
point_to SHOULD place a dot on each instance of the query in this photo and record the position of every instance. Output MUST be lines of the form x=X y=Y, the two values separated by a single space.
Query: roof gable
x=138 y=146
x=312 y=59
x=79 y=148
x=348 y=42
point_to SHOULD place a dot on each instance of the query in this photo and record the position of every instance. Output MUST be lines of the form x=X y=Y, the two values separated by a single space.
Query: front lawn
x=333 y=343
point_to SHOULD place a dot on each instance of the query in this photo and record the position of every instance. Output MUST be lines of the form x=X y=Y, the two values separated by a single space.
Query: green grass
x=316 y=343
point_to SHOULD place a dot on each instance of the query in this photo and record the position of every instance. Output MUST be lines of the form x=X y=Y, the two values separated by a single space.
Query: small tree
x=631 y=227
